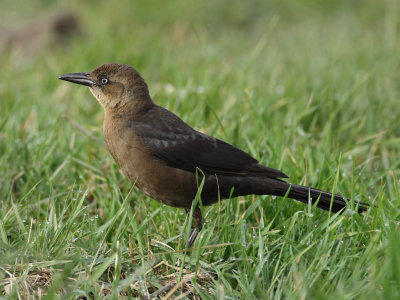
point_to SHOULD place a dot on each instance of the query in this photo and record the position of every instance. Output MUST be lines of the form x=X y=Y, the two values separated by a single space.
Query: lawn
x=309 y=87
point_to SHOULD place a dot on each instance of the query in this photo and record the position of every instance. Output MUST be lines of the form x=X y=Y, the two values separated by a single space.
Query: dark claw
x=198 y=220
x=192 y=238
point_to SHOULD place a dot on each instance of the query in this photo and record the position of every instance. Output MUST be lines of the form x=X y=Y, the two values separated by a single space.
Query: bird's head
x=117 y=87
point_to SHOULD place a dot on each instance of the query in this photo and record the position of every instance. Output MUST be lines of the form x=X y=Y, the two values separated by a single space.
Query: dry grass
x=30 y=284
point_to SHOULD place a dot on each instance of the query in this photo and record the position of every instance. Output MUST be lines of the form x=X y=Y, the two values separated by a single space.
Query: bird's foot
x=192 y=238
x=197 y=218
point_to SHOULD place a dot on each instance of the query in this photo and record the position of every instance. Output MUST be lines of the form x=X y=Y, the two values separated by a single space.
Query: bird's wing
x=178 y=145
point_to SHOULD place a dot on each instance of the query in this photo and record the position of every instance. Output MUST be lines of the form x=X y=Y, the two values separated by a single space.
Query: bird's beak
x=79 y=78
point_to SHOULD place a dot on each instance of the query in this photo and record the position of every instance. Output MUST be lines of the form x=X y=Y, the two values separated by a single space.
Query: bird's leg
x=195 y=229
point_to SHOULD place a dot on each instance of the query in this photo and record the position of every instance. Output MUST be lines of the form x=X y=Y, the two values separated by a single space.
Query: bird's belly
x=168 y=185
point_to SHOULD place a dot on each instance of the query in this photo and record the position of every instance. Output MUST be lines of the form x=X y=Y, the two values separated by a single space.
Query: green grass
x=310 y=87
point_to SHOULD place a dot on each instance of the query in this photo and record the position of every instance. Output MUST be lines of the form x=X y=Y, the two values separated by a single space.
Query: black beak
x=79 y=78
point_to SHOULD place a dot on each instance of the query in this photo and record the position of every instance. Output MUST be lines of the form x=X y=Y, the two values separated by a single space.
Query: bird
x=168 y=160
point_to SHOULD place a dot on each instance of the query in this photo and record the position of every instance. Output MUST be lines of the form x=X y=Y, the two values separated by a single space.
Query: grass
x=309 y=87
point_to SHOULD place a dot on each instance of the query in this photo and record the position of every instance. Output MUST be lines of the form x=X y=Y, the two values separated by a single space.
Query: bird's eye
x=104 y=80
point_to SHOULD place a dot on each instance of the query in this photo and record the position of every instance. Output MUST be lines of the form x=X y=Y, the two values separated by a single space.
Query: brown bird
x=167 y=159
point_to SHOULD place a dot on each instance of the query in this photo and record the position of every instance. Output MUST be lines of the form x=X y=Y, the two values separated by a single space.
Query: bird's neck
x=130 y=108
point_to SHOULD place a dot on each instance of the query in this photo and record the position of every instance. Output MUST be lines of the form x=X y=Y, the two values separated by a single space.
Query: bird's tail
x=272 y=186
x=323 y=200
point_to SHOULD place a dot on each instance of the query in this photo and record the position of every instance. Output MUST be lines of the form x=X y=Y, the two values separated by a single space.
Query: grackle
x=166 y=158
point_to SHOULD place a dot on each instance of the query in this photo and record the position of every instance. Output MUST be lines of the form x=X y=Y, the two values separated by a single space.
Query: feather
x=180 y=146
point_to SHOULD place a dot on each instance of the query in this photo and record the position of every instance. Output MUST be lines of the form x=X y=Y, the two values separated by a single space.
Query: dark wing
x=180 y=146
